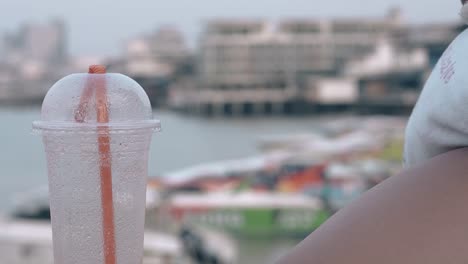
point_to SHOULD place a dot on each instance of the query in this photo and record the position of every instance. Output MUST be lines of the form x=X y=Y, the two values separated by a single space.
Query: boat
x=30 y=241
x=250 y=213
x=26 y=236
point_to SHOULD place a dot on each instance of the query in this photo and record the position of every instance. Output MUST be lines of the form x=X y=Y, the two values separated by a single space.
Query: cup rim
x=40 y=126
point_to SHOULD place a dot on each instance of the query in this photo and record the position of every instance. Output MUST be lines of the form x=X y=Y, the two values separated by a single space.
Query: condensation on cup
x=97 y=129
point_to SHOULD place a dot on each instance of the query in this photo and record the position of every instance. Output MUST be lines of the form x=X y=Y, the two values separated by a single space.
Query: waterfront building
x=248 y=67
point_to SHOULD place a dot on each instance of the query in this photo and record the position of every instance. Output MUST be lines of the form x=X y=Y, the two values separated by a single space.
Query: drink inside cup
x=96 y=129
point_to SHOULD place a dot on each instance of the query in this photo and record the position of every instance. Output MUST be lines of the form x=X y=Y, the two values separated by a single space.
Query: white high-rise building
x=168 y=45
x=45 y=42
x=258 y=53
x=42 y=43
x=154 y=55
x=31 y=59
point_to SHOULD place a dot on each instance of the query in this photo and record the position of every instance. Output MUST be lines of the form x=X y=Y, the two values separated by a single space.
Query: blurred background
x=275 y=114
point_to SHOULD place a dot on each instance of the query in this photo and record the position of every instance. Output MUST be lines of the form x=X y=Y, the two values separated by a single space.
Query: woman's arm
x=417 y=217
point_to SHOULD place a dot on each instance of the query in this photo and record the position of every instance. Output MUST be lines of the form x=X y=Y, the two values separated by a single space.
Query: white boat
x=227 y=167
x=250 y=213
x=30 y=242
x=26 y=237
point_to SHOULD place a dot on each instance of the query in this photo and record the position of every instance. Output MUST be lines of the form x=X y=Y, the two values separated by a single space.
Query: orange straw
x=107 y=204
x=82 y=110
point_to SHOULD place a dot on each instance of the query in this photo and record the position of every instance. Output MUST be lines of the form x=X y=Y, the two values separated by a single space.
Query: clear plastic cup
x=74 y=139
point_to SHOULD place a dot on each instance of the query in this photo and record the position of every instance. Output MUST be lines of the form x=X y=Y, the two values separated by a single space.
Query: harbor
x=268 y=191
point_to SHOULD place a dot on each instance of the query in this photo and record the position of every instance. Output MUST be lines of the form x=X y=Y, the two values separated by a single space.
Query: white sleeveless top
x=439 y=122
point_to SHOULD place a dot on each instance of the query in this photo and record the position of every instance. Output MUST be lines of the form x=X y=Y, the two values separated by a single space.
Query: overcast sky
x=99 y=27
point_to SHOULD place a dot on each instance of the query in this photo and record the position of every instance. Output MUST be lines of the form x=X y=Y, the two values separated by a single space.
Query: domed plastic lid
x=87 y=101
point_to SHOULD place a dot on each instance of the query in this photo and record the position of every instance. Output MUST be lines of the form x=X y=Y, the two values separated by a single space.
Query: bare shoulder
x=416 y=217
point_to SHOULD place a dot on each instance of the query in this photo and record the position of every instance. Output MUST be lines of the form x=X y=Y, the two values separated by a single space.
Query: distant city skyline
x=99 y=28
